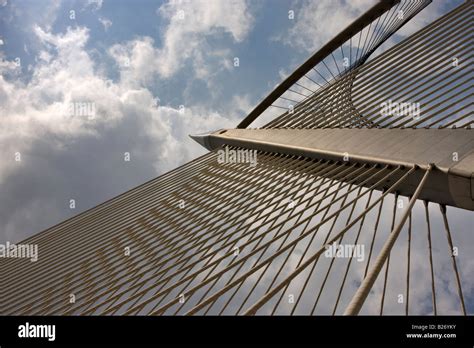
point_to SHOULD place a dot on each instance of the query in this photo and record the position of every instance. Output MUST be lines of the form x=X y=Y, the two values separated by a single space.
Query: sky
x=153 y=72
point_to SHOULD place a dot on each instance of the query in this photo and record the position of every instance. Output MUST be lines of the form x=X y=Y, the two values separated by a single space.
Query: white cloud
x=34 y=123
x=190 y=22
x=107 y=23
x=95 y=5
x=136 y=61
x=3 y=2
x=433 y=11
x=317 y=22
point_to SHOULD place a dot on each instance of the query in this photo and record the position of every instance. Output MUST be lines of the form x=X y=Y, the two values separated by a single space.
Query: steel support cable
x=334 y=104
x=91 y=294
x=161 y=216
x=309 y=78
x=411 y=10
x=322 y=100
x=395 y=202
x=451 y=104
x=321 y=289
x=48 y=308
x=301 y=111
x=300 y=106
x=326 y=82
x=399 y=81
x=335 y=63
x=365 y=40
x=425 y=70
x=380 y=34
x=280 y=201
x=264 y=299
x=374 y=235
x=317 y=165
x=142 y=243
x=227 y=238
x=308 y=245
x=356 y=114
x=334 y=116
x=302 y=86
x=288 y=99
x=302 y=257
x=369 y=44
x=454 y=112
x=428 y=230
x=407 y=304
x=373 y=38
x=299 y=93
x=294 y=116
x=76 y=221
x=374 y=80
x=37 y=274
x=279 y=107
x=341 y=119
x=206 y=248
x=294 y=197
x=323 y=114
x=212 y=270
x=358 y=45
x=241 y=278
x=431 y=33
x=72 y=222
x=219 y=249
x=322 y=103
x=389 y=122
x=212 y=298
x=415 y=56
x=263 y=246
x=303 y=254
x=238 y=204
x=341 y=289
x=344 y=56
x=362 y=292
x=300 y=214
x=467 y=124
x=337 y=109
x=303 y=229
x=223 y=246
x=453 y=257
x=441 y=102
x=327 y=68
x=450 y=114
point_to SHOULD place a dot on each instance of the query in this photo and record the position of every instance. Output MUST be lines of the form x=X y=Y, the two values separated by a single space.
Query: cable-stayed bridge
x=339 y=204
